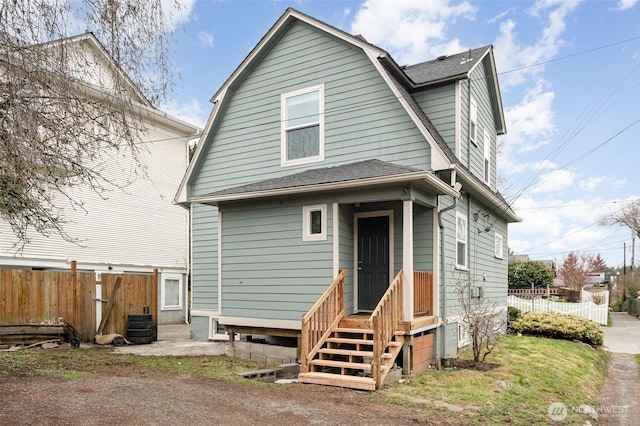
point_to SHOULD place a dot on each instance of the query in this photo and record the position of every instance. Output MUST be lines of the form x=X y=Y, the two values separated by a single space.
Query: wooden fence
x=35 y=297
x=593 y=306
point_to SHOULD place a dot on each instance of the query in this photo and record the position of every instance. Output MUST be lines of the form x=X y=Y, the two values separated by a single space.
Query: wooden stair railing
x=322 y=318
x=386 y=319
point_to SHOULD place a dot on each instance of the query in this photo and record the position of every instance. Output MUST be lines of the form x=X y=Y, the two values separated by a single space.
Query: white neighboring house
x=136 y=229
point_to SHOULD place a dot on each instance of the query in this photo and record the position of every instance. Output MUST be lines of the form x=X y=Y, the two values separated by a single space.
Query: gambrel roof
x=402 y=81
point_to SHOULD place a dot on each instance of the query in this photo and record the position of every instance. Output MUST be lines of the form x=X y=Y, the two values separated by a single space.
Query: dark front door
x=373 y=260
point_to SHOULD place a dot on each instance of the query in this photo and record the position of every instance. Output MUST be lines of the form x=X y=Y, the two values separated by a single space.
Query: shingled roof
x=345 y=173
x=446 y=67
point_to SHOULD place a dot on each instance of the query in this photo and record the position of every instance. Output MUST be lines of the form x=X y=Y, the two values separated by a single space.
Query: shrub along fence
x=78 y=298
x=593 y=305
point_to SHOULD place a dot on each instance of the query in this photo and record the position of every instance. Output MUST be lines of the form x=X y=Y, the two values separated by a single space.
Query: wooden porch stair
x=357 y=351
x=346 y=359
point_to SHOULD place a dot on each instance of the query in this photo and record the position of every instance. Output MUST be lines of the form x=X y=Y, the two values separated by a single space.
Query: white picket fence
x=593 y=305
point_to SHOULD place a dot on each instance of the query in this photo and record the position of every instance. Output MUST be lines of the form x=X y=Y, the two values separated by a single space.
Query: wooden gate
x=35 y=297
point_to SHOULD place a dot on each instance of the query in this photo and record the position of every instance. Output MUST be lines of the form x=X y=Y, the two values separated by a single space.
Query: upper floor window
x=461 y=241
x=487 y=157
x=473 y=121
x=302 y=126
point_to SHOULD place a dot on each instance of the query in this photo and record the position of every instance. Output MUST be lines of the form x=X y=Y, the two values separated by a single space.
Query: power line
x=569 y=56
x=576 y=205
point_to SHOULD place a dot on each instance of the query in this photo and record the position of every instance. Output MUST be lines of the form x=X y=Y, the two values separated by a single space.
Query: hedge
x=559 y=326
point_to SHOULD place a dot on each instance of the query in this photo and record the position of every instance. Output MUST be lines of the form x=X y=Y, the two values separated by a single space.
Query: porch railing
x=385 y=320
x=318 y=323
x=422 y=293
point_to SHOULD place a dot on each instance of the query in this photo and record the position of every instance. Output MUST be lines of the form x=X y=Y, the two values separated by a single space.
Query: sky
x=569 y=75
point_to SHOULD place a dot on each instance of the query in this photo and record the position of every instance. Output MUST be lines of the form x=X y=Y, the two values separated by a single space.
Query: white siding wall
x=137 y=225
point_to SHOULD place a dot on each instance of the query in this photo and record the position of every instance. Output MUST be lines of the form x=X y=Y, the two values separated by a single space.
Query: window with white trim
x=302 y=131
x=473 y=121
x=487 y=157
x=461 y=241
x=499 y=246
x=171 y=292
x=314 y=223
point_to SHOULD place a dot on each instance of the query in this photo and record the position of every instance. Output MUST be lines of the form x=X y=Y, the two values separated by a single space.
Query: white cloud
x=206 y=39
x=553 y=226
x=511 y=54
x=190 y=111
x=591 y=183
x=531 y=122
x=412 y=30
x=177 y=12
x=555 y=181
x=502 y=15
x=627 y=4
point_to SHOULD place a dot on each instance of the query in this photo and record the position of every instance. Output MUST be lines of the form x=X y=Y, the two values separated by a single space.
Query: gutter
x=443 y=303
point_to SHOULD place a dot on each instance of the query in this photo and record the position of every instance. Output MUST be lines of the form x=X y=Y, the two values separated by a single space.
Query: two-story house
x=337 y=195
x=133 y=226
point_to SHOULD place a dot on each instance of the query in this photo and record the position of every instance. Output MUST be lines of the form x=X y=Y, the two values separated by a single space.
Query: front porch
x=359 y=350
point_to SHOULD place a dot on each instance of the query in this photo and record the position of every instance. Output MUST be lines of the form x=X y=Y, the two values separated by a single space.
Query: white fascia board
x=439 y=160
x=408 y=177
x=488 y=54
x=211 y=313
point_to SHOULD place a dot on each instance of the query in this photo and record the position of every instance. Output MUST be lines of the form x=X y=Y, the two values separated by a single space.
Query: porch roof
x=360 y=174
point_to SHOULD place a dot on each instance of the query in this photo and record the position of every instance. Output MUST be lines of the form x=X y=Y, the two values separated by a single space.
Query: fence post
x=74 y=284
x=154 y=295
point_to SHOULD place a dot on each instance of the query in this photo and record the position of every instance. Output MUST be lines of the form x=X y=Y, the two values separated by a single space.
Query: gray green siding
x=267 y=270
x=439 y=105
x=363 y=118
x=472 y=155
x=480 y=252
x=422 y=238
x=204 y=257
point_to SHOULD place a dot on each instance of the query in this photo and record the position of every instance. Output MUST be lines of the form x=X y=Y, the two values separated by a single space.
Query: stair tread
x=351 y=352
x=341 y=364
x=354 y=382
x=350 y=340
x=353 y=330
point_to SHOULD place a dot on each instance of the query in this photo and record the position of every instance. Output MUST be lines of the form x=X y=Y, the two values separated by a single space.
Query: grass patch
x=638 y=359
x=532 y=373
x=68 y=363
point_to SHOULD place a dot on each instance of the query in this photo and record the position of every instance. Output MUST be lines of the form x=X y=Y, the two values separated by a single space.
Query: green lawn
x=532 y=373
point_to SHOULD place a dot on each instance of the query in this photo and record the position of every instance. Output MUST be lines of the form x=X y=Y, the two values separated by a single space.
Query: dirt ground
x=138 y=396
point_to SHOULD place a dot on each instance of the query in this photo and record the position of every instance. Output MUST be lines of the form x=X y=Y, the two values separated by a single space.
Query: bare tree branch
x=71 y=108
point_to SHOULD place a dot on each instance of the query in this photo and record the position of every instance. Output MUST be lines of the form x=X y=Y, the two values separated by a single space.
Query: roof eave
x=504 y=208
x=428 y=178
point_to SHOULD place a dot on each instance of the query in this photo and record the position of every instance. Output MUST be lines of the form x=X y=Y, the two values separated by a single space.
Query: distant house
x=135 y=229
x=333 y=184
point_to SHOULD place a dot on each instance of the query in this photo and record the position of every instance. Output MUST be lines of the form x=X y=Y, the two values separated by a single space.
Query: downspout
x=443 y=298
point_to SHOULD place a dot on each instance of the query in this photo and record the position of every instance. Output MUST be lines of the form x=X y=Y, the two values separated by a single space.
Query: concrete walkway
x=175 y=339
x=620 y=400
